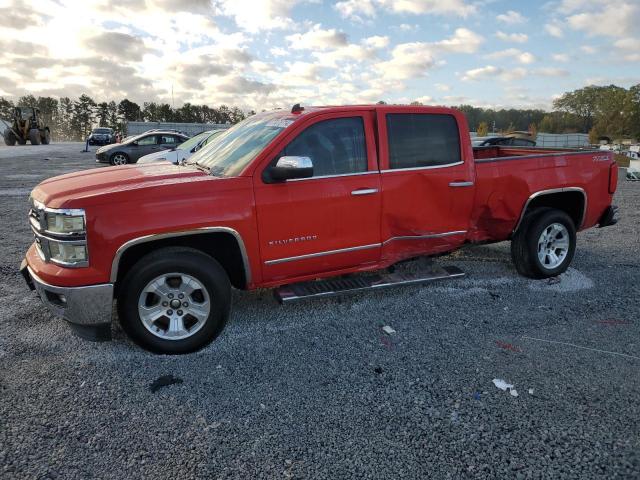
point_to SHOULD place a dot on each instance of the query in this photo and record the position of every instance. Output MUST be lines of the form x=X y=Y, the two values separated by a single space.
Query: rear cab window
x=422 y=140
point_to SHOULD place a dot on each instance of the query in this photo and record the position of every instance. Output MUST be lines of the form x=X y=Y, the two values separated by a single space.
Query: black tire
x=34 y=136
x=525 y=243
x=117 y=157
x=9 y=138
x=46 y=137
x=186 y=261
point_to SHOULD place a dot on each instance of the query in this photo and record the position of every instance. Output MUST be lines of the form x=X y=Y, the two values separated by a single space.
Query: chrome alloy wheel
x=119 y=159
x=174 y=306
x=553 y=246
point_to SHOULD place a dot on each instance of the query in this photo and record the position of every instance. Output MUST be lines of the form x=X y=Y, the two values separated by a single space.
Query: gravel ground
x=317 y=390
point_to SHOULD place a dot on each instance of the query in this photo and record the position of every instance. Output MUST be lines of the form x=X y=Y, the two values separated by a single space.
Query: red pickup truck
x=288 y=198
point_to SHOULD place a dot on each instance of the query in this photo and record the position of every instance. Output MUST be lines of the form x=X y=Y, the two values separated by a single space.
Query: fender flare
x=115 y=263
x=541 y=193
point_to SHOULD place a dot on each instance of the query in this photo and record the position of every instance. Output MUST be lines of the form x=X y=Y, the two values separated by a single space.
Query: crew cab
x=287 y=199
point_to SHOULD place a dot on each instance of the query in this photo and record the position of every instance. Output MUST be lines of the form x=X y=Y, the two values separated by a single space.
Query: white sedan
x=183 y=151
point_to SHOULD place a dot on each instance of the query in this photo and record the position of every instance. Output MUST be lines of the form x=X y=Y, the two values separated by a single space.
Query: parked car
x=131 y=149
x=101 y=136
x=505 y=140
x=285 y=199
x=183 y=151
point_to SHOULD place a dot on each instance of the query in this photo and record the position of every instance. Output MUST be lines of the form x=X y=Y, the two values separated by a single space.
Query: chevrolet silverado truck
x=311 y=202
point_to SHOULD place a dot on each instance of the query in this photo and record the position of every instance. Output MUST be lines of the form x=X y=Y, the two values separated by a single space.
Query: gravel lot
x=317 y=390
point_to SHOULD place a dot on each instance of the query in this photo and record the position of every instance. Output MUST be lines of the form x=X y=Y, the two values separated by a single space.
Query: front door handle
x=461 y=184
x=365 y=191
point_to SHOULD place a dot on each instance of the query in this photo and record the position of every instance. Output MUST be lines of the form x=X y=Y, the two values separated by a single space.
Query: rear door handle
x=365 y=191
x=461 y=184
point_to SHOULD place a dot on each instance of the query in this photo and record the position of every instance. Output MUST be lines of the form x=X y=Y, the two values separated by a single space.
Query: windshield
x=193 y=141
x=101 y=130
x=229 y=153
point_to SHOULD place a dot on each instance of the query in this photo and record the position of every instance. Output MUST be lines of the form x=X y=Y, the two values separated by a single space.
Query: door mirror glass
x=292 y=167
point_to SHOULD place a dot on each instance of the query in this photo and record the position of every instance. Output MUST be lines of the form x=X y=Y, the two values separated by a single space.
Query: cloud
x=408 y=60
x=317 y=39
x=357 y=9
x=512 y=37
x=554 y=29
x=551 y=72
x=462 y=41
x=518 y=55
x=118 y=45
x=255 y=16
x=560 y=57
x=612 y=18
x=415 y=59
x=493 y=72
x=511 y=18
x=376 y=41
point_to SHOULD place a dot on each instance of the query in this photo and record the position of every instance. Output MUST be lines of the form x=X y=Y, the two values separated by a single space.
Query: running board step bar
x=341 y=286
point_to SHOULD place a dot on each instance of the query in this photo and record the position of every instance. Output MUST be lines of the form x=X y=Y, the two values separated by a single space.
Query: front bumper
x=88 y=309
x=102 y=157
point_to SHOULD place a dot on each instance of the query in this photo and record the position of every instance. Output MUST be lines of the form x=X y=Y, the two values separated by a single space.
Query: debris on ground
x=164 y=381
x=504 y=386
x=508 y=346
x=388 y=330
x=531 y=391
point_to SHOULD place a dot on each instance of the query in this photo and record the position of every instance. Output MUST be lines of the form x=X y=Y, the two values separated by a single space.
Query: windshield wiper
x=200 y=167
x=217 y=171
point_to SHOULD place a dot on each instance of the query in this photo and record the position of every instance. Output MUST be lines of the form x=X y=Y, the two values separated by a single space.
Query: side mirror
x=292 y=167
x=135 y=144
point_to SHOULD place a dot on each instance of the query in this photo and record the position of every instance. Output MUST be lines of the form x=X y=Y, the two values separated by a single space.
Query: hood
x=96 y=186
x=170 y=155
x=109 y=147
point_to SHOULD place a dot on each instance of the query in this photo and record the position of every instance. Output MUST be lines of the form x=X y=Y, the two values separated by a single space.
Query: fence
x=562 y=140
x=136 y=128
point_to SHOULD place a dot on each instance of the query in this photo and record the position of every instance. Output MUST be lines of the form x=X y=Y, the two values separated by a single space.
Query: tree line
x=607 y=111
x=73 y=119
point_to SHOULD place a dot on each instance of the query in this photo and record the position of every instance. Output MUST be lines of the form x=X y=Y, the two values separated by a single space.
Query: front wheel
x=46 y=137
x=544 y=244
x=174 y=301
x=34 y=136
x=9 y=138
x=119 y=159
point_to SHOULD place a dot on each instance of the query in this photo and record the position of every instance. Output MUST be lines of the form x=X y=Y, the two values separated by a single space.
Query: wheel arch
x=117 y=152
x=224 y=244
x=571 y=200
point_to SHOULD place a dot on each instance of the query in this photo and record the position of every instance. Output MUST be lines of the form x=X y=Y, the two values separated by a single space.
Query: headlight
x=67 y=253
x=66 y=222
x=60 y=234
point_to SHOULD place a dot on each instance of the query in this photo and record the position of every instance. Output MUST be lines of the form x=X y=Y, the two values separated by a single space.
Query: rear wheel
x=9 y=138
x=34 y=136
x=119 y=158
x=544 y=244
x=175 y=300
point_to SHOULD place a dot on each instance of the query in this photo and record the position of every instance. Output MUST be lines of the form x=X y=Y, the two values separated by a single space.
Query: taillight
x=613 y=177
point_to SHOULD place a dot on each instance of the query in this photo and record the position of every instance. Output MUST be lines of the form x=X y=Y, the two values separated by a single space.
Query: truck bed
x=507 y=177
x=497 y=152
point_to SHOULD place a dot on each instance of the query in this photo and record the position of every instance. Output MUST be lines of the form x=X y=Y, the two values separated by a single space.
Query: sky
x=274 y=53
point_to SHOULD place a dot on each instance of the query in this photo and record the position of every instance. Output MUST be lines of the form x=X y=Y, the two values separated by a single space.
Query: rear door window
x=422 y=140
